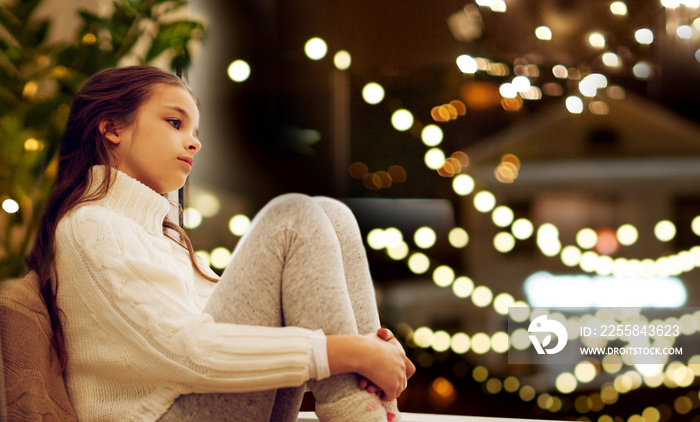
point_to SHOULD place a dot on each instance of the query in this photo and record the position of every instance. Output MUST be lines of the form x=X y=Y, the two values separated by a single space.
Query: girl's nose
x=194 y=144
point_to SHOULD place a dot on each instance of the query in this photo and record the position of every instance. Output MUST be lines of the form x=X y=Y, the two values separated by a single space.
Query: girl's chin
x=171 y=188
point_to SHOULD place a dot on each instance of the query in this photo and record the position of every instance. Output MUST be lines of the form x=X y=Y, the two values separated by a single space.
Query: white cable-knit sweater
x=135 y=333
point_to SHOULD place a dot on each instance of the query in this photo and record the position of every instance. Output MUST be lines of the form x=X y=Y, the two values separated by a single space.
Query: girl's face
x=158 y=148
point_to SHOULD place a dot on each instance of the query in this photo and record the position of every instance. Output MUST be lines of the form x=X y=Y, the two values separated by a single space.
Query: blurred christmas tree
x=38 y=79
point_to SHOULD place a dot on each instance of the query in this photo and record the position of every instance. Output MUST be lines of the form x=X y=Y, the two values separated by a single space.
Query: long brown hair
x=113 y=95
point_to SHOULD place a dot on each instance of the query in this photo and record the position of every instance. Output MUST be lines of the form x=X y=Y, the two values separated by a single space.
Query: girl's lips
x=186 y=160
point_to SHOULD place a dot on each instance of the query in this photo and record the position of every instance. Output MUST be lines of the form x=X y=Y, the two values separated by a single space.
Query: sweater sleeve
x=125 y=281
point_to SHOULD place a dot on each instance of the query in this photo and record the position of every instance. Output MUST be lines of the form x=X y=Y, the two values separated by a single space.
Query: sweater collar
x=132 y=198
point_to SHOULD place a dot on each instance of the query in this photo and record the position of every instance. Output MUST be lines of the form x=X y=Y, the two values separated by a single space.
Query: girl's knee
x=334 y=206
x=292 y=207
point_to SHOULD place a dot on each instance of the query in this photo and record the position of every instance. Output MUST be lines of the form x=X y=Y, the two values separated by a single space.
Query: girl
x=142 y=330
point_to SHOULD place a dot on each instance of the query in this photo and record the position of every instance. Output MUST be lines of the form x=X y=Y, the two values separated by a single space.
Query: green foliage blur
x=38 y=79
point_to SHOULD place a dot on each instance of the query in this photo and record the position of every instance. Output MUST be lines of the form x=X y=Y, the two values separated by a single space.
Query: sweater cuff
x=319 y=368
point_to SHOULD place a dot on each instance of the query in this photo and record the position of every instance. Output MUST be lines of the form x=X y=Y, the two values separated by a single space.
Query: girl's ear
x=108 y=130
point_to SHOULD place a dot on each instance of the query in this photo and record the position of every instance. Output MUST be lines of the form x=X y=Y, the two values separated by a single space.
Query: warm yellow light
x=458 y=237
x=627 y=234
x=502 y=302
x=522 y=228
x=665 y=230
x=502 y=216
x=33 y=145
x=480 y=373
x=504 y=242
x=565 y=383
x=597 y=40
x=402 y=120
x=441 y=341
x=443 y=276
x=527 y=393
x=511 y=384
x=571 y=256
x=435 y=158
x=373 y=93
x=425 y=237
x=467 y=64
x=484 y=201
x=207 y=203
x=611 y=59
x=543 y=33
x=508 y=90
x=585 y=371
x=423 y=337
x=10 y=206
x=618 y=8
x=418 y=263
x=220 y=257
x=238 y=224
x=431 y=135
x=460 y=343
x=683 y=405
x=500 y=342
x=463 y=184
x=342 y=60
x=463 y=287
x=586 y=238
x=191 y=218
x=651 y=414
x=238 y=71
x=481 y=343
x=481 y=296
x=316 y=48
x=399 y=252
x=394 y=237
x=376 y=239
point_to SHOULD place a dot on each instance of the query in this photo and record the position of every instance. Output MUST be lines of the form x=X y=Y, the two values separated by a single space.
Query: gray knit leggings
x=301 y=263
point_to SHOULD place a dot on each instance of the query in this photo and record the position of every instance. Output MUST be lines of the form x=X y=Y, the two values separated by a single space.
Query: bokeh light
x=522 y=228
x=425 y=237
x=418 y=263
x=373 y=93
x=191 y=218
x=238 y=224
x=315 y=48
x=434 y=158
x=10 y=206
x=467 y=64
x=238 y=71
x=543 y=33
x=342 y=60
x=458 y=237
x=463 y=287
x=644 y=36
x=220 y=257
x=443 y=276
x=484 y=201
x=463 y=184
x=431 y=135
x=665 y=230
x=402 y=120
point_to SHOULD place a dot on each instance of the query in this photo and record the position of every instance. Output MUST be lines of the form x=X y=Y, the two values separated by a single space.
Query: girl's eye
x=175 y=123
